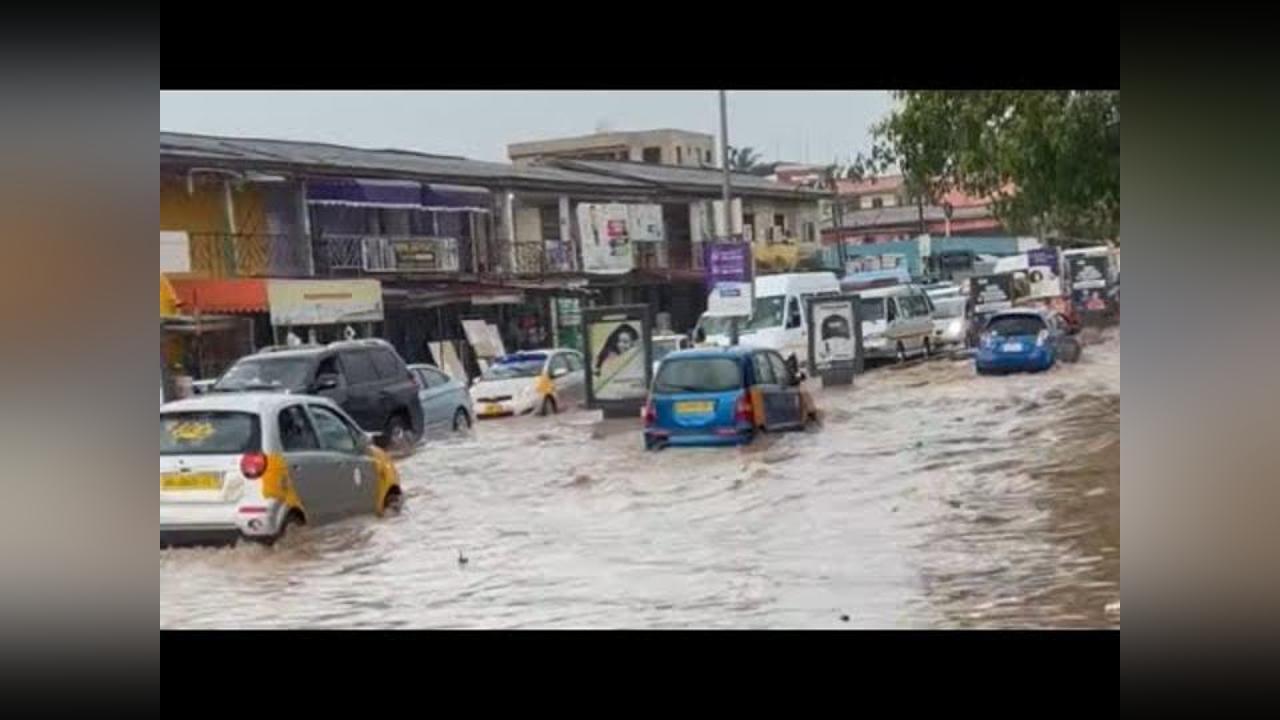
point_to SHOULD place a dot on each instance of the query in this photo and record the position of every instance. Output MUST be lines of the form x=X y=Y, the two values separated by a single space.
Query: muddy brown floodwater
x=930 y=498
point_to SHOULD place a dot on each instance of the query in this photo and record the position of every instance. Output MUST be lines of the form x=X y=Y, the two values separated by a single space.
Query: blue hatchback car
x=723 y=396
x=1028 y=340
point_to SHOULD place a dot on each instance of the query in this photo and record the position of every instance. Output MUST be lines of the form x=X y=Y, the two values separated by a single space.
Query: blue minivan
x=1027 y=340
x=723 y=396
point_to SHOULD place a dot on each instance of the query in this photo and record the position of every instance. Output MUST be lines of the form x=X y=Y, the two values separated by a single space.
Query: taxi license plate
x=491 y=409
x=694 y=407
x=191 y=481
x=1011 y=347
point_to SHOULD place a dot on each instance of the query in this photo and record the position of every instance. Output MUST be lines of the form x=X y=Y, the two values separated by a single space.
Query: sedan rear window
x=209 y=433
x=698 y=375
x=1014 y=325
x=261 y=373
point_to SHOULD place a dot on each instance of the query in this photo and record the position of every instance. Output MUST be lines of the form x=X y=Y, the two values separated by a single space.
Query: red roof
x=221 y=296
x=887 y=183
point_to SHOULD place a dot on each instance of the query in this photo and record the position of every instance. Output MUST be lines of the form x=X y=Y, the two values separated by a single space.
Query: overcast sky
x=806 y=126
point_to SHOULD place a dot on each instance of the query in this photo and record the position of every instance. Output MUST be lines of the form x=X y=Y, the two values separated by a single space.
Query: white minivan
x=778 y=320
x=897 y=322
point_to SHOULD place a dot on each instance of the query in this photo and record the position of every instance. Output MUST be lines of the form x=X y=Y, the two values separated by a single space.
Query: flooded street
x=930 y=498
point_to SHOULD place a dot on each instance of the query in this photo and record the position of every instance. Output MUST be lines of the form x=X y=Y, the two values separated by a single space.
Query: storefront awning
x=397 y=194
x=221 y=296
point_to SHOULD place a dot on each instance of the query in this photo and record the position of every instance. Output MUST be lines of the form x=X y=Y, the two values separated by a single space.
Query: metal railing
x=394 y=253
x=227 y=255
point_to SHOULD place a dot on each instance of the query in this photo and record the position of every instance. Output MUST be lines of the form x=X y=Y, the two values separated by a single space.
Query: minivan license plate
x=1011 y=347
x=694 y=407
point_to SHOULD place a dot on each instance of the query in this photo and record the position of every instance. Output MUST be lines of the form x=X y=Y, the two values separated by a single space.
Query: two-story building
x=659 y=147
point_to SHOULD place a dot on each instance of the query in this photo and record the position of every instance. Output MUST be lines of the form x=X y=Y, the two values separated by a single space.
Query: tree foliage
x=1050 y=159
x=744 y=159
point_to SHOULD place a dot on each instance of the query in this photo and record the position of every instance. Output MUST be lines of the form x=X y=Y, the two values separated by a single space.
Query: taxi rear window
x=708 y=374
x=209 y=433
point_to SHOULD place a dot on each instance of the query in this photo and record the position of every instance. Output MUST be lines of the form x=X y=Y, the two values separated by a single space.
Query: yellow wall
x=203 y=210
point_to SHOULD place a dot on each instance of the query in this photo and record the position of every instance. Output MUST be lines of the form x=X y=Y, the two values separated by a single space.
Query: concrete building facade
x=657 y=147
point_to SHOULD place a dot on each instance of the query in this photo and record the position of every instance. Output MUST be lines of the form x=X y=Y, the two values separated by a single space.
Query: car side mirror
x=793 y=366
x=327 y=381
x=699 y=335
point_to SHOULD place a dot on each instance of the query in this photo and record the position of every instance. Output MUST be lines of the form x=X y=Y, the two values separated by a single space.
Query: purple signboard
x=727 y=262
x=1043 y=257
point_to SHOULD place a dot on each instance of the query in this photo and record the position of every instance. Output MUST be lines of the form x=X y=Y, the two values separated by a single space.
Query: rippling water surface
x=930 y=498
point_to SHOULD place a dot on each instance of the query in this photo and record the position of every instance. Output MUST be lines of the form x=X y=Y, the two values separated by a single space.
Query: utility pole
x=724 y=162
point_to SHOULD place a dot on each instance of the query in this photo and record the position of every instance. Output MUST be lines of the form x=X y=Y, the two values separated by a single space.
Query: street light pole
x=724 y=163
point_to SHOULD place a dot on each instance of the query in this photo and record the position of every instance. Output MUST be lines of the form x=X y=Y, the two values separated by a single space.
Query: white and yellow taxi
x=542 y=381
x=251 y=465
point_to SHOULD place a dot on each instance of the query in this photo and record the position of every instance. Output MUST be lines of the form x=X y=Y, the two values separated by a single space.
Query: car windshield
x=208 y=433
x=663 y=348
x=524 y=365
x=872 y=309
x=1015 y=325
x=766 y=313
x=256 y=373
x=948 y=307
x=715 y=325
x=708 y=374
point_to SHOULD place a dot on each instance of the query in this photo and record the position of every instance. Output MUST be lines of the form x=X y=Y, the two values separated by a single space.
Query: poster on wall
x=618 y=350
x=645 y=223
x=606 y=242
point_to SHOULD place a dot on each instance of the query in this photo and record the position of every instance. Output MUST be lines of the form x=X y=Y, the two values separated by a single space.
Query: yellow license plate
x=191 y=481
x=694 y=407
x=492 y=410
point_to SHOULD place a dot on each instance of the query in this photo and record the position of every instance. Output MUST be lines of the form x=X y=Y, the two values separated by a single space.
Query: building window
x=550 y=217
x=652 y=155
x=709 y=157
x=679 y=156
x=780 y=221
x=810 y=233
x=877 y=202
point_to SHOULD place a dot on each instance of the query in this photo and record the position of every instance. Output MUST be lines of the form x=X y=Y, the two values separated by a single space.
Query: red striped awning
x=221 y=296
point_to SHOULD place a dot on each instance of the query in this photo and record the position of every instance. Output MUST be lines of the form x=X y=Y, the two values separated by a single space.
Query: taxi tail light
x=648 y=414
x=742 y=411
x=253 y=465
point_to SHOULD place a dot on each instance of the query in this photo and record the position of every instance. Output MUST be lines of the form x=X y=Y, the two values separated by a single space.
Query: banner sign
x=606 y=240
x=324 y=302
x=619 y=352
x=728 y=277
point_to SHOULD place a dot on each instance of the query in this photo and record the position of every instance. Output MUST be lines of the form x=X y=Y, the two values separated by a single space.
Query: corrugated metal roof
x=690 y=178
x=325 y=158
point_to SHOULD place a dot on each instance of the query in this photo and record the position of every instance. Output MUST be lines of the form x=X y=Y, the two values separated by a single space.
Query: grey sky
x=812 y=126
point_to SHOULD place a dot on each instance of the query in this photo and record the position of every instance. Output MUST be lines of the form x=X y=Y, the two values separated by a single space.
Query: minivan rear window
x=209 y=433
x=708 y=374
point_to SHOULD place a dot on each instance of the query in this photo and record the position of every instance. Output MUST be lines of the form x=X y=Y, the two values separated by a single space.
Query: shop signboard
x=728 y=277
x=418 y=254
x=324 y=302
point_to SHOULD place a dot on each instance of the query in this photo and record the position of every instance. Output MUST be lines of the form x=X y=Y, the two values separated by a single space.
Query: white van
x=778 y=320
x=897 y=322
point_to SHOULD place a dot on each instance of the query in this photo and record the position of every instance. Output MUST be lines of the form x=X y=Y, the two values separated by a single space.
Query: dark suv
x=366 y=377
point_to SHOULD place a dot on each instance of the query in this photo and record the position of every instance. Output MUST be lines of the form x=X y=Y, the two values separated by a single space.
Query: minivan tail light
x=253 y=465
x=742 y=411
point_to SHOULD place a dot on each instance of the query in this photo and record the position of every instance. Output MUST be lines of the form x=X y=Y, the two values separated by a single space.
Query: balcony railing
x=223 y=255
x=393 y=253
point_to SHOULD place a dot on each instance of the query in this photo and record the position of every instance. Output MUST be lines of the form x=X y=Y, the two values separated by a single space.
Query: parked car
x=664 y=345
x=896 y=322
x=1025 y=340
x=724 y=396
x=446 y=404
x=544 y=381
x=366 y=378
x=252 y=465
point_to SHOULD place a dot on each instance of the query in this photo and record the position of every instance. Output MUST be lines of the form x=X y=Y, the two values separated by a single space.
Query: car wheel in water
x=548 y=406
x=900 y=354
x=928 y=348
x=290 y=521
x=393 y=503
x=461 y=420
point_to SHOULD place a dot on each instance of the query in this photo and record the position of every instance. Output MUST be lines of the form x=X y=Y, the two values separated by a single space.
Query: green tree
x=744 y=159
x=1050 y=159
